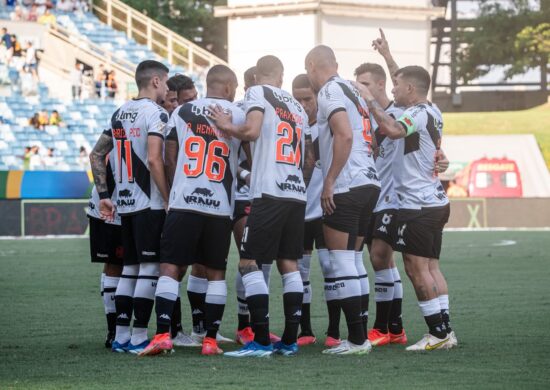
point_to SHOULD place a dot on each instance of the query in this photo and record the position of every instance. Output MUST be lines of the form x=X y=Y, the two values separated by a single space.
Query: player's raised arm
x=382 y=47
x=99 y=170
x=387 y=125
x=171 y=148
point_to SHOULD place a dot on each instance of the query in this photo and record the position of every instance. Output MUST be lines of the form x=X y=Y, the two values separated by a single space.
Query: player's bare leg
x=425 y=287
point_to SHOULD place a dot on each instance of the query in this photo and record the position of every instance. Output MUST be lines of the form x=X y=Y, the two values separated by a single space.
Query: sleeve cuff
x=334 y=112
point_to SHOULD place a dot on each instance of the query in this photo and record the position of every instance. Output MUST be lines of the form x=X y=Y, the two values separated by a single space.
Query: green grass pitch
x=52 y=327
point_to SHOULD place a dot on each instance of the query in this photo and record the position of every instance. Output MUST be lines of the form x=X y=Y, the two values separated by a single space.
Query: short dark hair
x=418 y=75
x=220 y=74
x=180 y=82
x=301 y=81
x=369 y=67
x=269 y=66
x=250 y=77
x=146 y=70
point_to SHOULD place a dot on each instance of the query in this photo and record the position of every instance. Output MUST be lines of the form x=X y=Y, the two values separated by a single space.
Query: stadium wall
x=45 y=217
x=475 y=101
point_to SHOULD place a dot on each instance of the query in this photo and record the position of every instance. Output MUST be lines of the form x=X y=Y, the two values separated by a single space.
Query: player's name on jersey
x=288 y=116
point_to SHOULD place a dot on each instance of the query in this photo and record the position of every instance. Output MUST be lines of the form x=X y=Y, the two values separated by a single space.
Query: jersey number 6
x=205 y=161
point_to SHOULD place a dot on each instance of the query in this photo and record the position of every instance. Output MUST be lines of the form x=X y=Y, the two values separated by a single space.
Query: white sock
x=145 y=290
x=444 y=302
x=197 y=285
x=125 y=290
x=110 y=284
x=167 y=288
x=242 y=306
x=397 y=285
x=345 y=271
x=362 y=273
x=102 y=283
x=430 y=307
x=383 y=286
x=254 y=284
x=304 y=265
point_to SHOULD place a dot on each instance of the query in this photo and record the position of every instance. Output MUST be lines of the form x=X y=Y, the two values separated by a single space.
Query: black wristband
x=104 y=195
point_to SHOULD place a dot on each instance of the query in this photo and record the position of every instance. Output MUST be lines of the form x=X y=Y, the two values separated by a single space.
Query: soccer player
x=350 y=190
x=388 y=290
x=187 y=92
x=170 y=103
x=198 y=225
x=423 y=205
x=276 y=122
x=313 y=227
x=106 y=248
x=244 y=333
x=137 y=135
x=442 y=163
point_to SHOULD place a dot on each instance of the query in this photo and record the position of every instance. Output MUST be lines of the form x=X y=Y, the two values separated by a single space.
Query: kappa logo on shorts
x=292 y=183
x=383 y=229
x=201 y=196
x=400 y=232
x=102 y=255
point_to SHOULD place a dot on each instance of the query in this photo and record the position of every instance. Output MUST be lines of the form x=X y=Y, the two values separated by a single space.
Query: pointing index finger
x=382 y=35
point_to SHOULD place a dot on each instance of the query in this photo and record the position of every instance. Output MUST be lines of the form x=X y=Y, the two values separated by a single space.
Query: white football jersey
x=131 y=125
x=278 y=151
x=416 y=182
x=93 y=203
x=340 y=95
x=207 y=161
x=384 y=163
x=315 y=187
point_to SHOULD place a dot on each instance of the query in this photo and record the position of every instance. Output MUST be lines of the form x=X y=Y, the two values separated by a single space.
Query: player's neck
x=147 y=94
x=417 y=100
x=383 y=100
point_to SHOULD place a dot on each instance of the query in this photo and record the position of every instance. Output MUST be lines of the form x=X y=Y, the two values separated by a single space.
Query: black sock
x=175 y=324
x=292 y=302
x=164 y=309
x=244 y=321
x=305 y=320
x=143 y=308
x=352 y=310
x=383 y=309
x=196 y=301
x=446 y=320
x=395 y=320
x=111 y=322
x=435 y=324
x=213 y=318
x=333 y=318
x=259 y=315
x=124 y=307
x=365 y=313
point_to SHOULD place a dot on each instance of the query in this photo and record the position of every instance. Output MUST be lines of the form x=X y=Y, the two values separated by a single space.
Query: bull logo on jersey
x=201 y=197
x=125 y=193
x=202 y=191
x=292 y=184
x=371 y=174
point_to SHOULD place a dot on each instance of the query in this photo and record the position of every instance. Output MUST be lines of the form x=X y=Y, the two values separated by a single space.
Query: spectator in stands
x=76 y=81
x=18 y=15
x=33 y=13
x=47 y=18
x=17 y=51
x=65 y=5
x=43 y=119
x=5 y=43
x=111 y=85
x=27 y=158
x=34 y=121
x=83 y=159
x=100 y=81
x=56 y=120
x=455 y=190
x=35 y=160
x=30 y=60
x=82 y=5
x=49 y=160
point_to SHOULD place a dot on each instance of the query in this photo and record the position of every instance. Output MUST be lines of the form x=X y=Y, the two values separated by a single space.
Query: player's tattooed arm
x=309 y=159
x=382 y=47
x=97 y=161
x=386 y=123
x=171 y=148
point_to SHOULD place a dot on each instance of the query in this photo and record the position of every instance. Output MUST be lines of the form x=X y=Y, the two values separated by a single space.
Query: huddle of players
x=286 y=143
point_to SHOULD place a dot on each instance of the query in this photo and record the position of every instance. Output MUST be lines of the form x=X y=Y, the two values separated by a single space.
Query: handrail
x=161 y=40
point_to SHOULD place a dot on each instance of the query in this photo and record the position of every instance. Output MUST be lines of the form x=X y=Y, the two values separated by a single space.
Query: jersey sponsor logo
x=124 y=198
x=125 y=193
x=287 y=99
x=127 y=116
x=292 y=184
x=201 y=197
x=91 y=205
x=372 y=174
